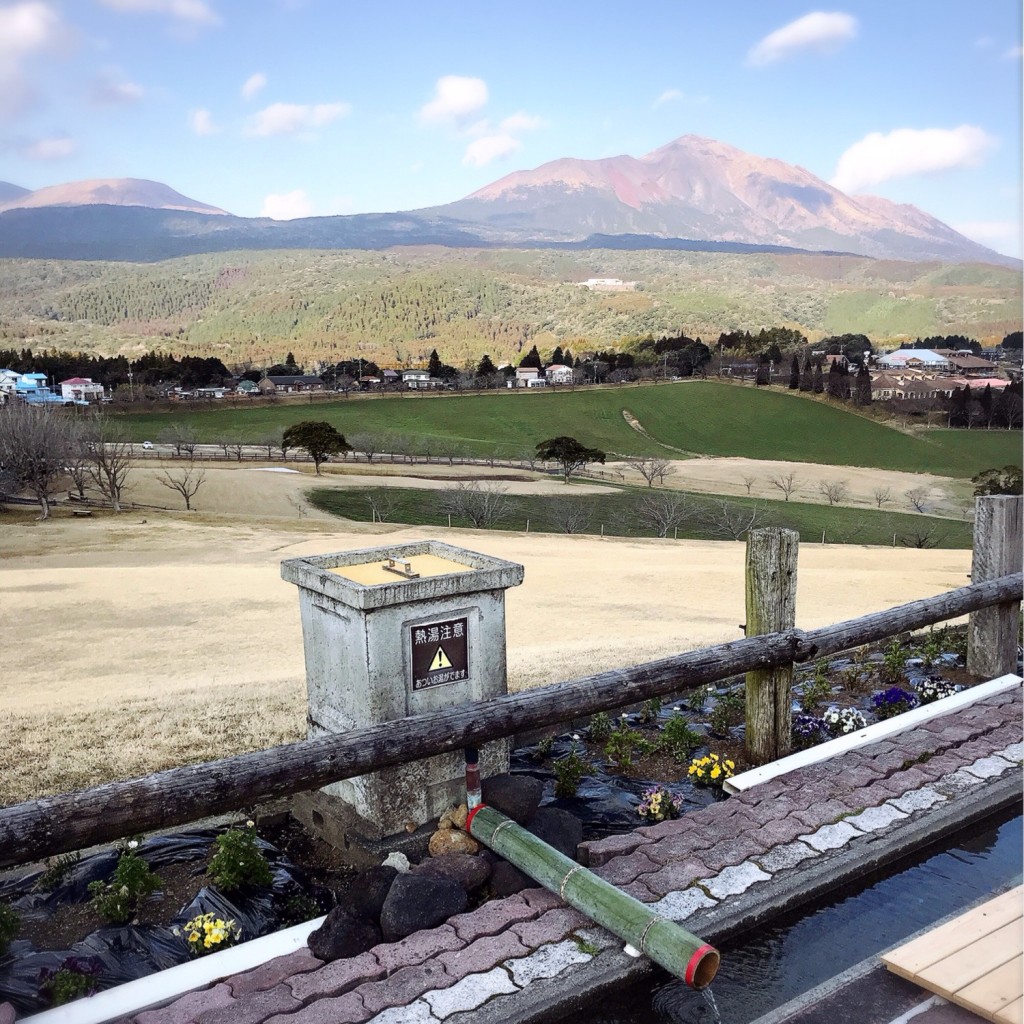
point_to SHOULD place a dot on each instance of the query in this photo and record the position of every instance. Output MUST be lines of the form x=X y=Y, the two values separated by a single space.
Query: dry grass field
x=140 y=641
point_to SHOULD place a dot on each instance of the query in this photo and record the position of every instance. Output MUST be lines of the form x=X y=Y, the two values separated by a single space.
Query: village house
x=81 y=389
x=419 y=380
x=557 y=373
x=527 y=377
x=913 y=358
x=290 y=385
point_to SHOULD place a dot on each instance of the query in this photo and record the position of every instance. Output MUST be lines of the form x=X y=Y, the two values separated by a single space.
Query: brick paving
x=686 y=868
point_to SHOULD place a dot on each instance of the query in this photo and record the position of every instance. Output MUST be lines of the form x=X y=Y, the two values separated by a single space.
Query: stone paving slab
x=489 y=962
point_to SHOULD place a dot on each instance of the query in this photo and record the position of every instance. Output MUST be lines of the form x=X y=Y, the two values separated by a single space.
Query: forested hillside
x=395 y=306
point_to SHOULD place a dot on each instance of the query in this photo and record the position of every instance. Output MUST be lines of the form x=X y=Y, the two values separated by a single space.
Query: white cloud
x=109 y=89
x=253 y=84
x=193 y=12
x=289 y=118
x=489 y=147
x=1014 y=53
x=820 y=31
x=668 y=96
x=202 y=123
x=55 y=148
x=455 y=98
x=26 y=30
x=287 y=205
x=907 y=151
x=521 y=122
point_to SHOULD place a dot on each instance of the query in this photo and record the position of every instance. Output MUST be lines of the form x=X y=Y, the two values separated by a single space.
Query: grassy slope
x=700 y=417
x=616 y=514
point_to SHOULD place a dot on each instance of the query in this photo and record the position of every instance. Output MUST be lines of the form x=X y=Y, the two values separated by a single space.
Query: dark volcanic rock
x=506 y=879
x=365 y=899
x=342 y=935
x=420 y=901
x=558 y=828
x=470 y=872
x=516 y=796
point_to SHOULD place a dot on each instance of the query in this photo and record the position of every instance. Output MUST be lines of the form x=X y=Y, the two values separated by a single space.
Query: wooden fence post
x=992 y=632
x=771 y=608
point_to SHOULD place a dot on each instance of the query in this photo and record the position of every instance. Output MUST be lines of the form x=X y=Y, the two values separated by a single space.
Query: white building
x=557 y=373
x=81 y=389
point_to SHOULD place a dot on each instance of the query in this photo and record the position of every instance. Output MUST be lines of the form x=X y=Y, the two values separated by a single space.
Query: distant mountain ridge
x=693 y=193
x=106 y=192
x=701 y=189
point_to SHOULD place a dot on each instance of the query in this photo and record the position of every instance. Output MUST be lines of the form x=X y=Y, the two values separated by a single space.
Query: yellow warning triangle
x=440 y=661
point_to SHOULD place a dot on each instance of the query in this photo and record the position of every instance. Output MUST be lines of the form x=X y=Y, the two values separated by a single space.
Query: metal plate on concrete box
x=440 y=652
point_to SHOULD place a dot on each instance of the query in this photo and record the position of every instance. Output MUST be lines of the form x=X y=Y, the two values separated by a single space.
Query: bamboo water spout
x=665 y=942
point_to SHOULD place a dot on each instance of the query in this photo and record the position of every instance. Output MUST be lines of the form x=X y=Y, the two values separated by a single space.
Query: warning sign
x=440 y=653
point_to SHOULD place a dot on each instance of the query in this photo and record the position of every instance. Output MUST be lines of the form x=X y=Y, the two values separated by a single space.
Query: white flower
x=575 y=736
x=133 y=844
x=250 y=823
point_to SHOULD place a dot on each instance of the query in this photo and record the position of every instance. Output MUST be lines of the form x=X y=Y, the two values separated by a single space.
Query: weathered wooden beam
x=72 y=821
x=771 y=565
x=992 y=632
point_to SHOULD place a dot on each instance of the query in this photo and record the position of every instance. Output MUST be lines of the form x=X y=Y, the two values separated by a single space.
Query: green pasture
x=685 y=418
x=616 y=514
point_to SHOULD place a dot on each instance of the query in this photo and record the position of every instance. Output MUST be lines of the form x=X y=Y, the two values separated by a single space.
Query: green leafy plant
x=569 y=771
x=711 y=770
x=542 y=748
x=298 y=908
x=117 y=900
x=57 y=869
x=680 y=739
x=10 y=924
x=894 y=663
x=649 y=711
x=207 y=933
x=77 y=976
x=730 y=709
x=623 y=743
x=931 y=648
x=696 y=699
x=817 y=690
x=239 y=861
x=600 y=727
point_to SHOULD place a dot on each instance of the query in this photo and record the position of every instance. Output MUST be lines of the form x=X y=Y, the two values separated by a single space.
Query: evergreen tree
x=960 y=407
x=844 y=383
x=486 y=367
x=794 y=374
x=818 y=382
x=763 y=375
x=567 y=359
x=986 y=401
x=807 y=376
x=834 y=387
x=434 y=364
x=558 y=357
x=863 y=392
x=532 y=358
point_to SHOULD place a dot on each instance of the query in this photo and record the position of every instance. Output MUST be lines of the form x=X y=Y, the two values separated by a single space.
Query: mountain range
x=693 y=193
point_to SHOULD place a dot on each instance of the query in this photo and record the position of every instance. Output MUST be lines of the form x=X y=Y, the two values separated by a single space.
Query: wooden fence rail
x=72 y=821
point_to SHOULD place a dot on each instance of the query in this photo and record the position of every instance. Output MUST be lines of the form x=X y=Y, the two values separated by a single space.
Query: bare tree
x=36 y=443
x=110 y=458
x=569 y=515
x=383 y=504
x=664 y=511
x=482 y=504
x=749 y=481
x=926 y=538
x=368 y=444
x=651 y=468
x=918 y=497
x=722 y=518
x=786 y=483
x=182 y=437
x=78 y=469
x=186 y=481
x=834 y=491
x=882 y=496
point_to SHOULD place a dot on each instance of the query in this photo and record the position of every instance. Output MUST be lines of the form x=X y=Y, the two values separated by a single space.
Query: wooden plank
x=996 y=989
x=959 y=969
x=1012 y=1013
x=914 y=956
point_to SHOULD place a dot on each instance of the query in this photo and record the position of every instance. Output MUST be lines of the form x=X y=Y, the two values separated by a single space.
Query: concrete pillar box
x=394 y=631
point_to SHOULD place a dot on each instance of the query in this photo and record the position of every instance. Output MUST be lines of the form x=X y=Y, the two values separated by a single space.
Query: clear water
x=763 y=970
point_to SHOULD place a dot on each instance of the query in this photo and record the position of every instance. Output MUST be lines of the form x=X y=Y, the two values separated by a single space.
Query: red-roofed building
x=81 y=389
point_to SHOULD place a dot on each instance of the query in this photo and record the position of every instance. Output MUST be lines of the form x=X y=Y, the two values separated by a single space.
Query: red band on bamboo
x=691 y=967
x=469 y=817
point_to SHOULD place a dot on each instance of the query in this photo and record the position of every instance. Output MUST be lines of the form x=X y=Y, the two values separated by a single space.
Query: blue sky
x=311 y=107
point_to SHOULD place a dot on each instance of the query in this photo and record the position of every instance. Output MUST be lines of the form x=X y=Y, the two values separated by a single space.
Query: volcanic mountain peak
x=110 y=192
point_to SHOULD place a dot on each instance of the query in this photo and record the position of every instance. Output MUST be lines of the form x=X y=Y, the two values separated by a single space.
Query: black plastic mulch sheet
x=129 y=952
